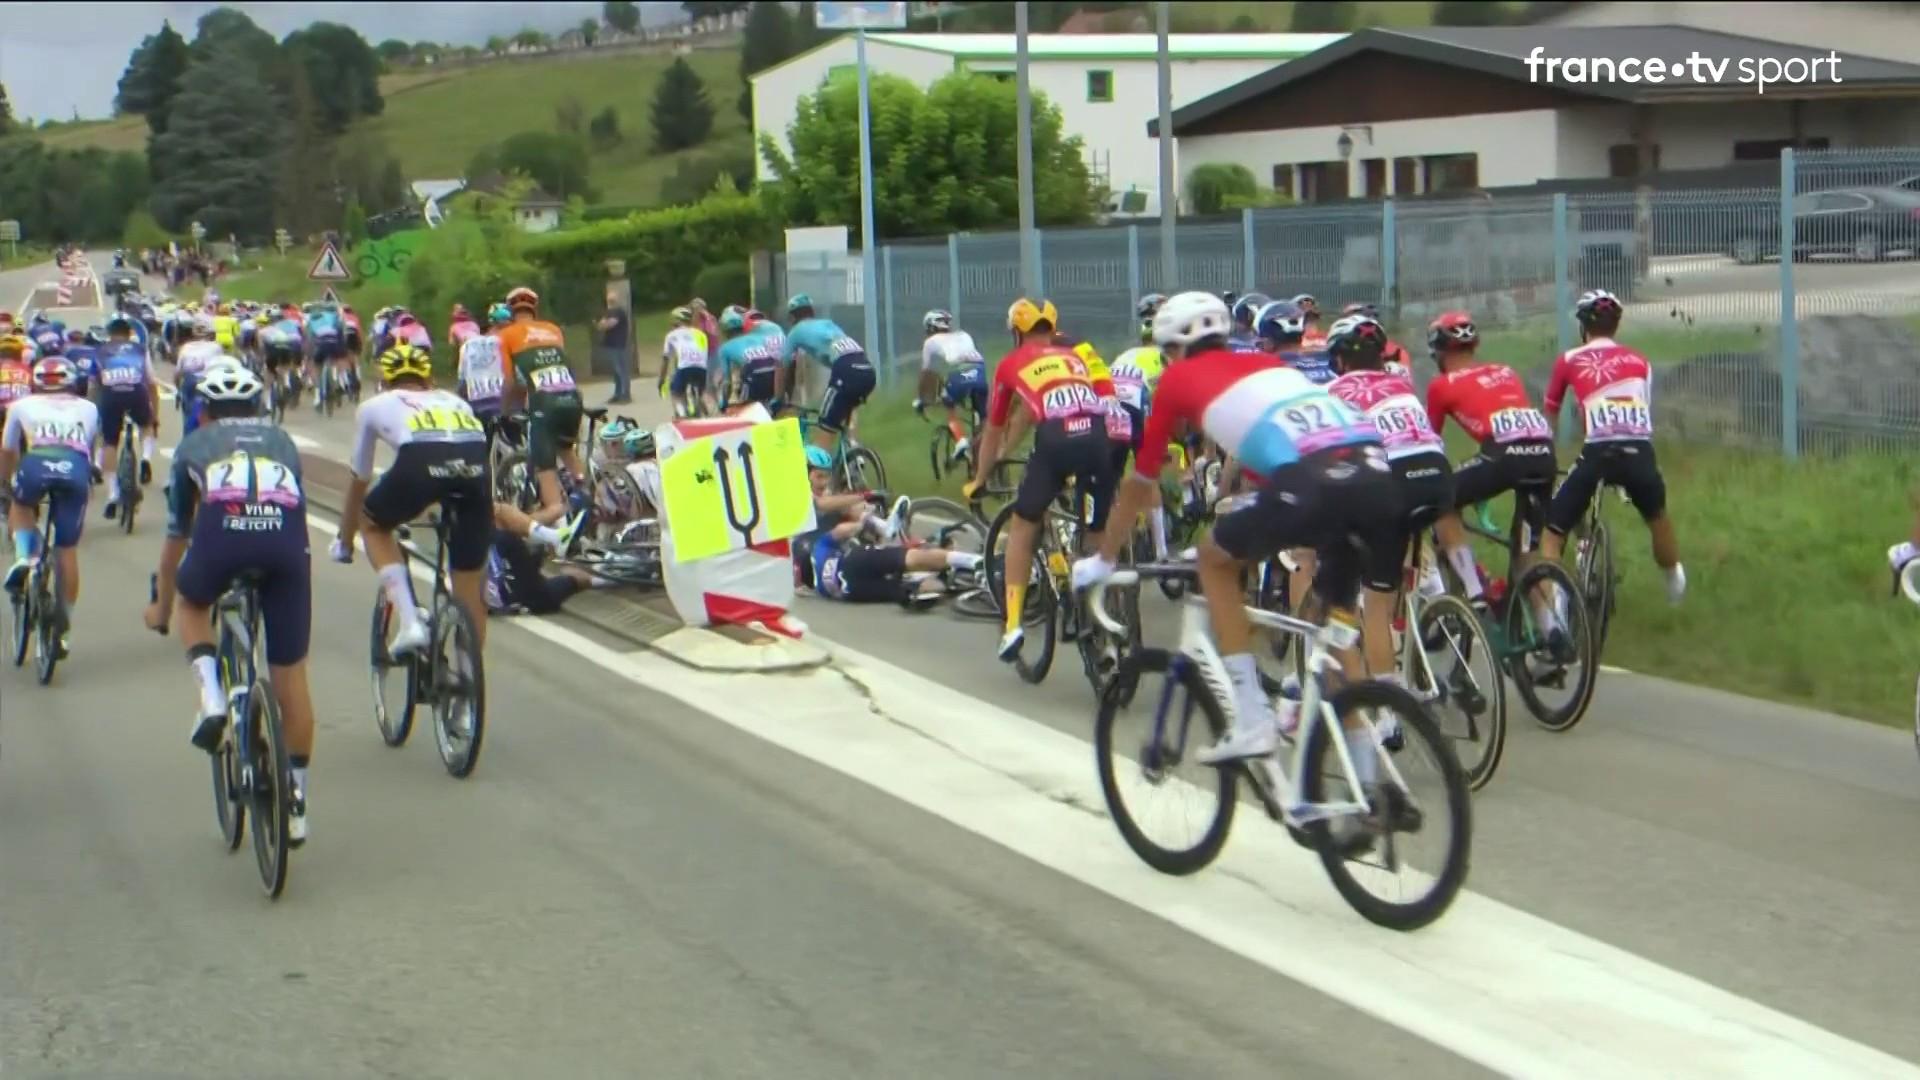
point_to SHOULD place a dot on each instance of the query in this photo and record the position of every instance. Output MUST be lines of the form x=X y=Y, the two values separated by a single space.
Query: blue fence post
x=1133 y=266
x=1040 y=264
x=953 y=274
x=886 y=311
x=1389 y=259
x=1563 y=296
x=1789 y=328
x=1248 y=277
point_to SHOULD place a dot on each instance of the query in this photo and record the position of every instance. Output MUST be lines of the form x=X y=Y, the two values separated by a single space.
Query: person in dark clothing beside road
x=616 y=345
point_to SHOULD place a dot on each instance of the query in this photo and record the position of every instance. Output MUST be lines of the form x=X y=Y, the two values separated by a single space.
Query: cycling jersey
x=414 y=334
x=483 y=373
x=757 y=358
x=226 y=331
x=16 y=382
x=1314 y=363
x=1051 y=381
x=461 y=332
x=686 y=347
x=821 y=339
x=85 y=365
x=1263 y=415
x=401 y=418
x=49 y=338
x=1135 y=373
x=1614 y=385
x=1389 y=401
x=283 y=336
x=194 y=358
x=52 y=427
x=1243 y=341
x=954 y=348
x=123 y=367
x=1490 y=401
x=536 y=358
x=323 y=326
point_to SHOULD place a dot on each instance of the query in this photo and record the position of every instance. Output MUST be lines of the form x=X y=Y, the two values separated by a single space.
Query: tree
x=558 y=163
x=305 y=200
x=807 y=33
x=1210 y=186
x=768 y=38
x=393 y=186
x=698 y=175
x=682 y=113
x=152 y=78
x=353 y=223
x=1244 y=23
x=589 y=32
x=622 y=16
x=342 y=70
x=496 y=45
x=393 y=51
x=1322 y=17
x=530 y=39
x=569 y=115
x=6 y=113
x=944 y=158
x=231 y=29
x=1468 y=13
x=216 y=160
x=711 y=9
x=605 y=128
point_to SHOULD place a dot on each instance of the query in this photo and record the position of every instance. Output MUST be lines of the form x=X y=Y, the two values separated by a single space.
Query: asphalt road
x=644 y=880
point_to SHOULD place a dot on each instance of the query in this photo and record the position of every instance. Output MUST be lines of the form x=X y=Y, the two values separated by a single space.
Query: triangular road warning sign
x=329 y=266
x=330 y=297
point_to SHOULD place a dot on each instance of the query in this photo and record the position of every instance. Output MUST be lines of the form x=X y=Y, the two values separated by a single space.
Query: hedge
x=665 y=251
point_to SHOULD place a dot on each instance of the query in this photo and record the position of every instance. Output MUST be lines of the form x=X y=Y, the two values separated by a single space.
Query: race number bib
x=1620 y=412
x=557 y=379
x=1071 y=399
x=60 y=434
x=1119 y=422
x=443 y=420
x=119 y=378
x=485 y=387
x=1313 y=424
x=842 y=346
x=1403 y=425
x=1519 y=425
x=236 y=478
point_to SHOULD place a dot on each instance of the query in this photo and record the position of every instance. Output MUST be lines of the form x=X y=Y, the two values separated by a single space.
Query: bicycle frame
x=1272 y=777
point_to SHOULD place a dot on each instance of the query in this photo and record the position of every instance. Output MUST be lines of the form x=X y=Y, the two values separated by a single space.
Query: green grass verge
x=1785 y=564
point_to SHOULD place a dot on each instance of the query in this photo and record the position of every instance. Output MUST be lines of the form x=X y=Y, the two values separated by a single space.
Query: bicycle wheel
x=1462 y=683
x=1153 y=755
x=515 y=485
x=22 y=626
x=460 y=689
x=976 y=604
x=366 y=266
x=396 y=722
x=51 y=620
x=229 y=810
x=940 y=451
x=1594 y=569
x=1041 y=619
x=128 y=473
x=1575 y=660
x=863 y=470
x=272 y=786
x=1365 y=865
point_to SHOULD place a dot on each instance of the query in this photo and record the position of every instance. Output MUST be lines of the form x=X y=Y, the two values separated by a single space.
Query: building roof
x=1505 y=52
x=1114 y=46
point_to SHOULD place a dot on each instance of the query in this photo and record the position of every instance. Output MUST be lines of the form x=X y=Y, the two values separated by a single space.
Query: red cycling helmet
x=1452 y=330
x=54 y=374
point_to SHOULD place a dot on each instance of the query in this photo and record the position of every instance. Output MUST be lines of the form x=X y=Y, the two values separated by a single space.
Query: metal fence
x=1815 y=353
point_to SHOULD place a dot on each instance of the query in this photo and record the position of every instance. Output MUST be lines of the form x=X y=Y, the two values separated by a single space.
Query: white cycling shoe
x=1010 y=643
x=1242 y=743
x=411 y=638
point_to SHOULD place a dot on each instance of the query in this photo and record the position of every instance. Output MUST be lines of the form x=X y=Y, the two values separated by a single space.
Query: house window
x=1624 y=160
x=1099 y=86
x=1374 y=172
x=1323 y=181
x=1283 y=180
x=1406 y=176
x=1769 y=149
x=1450 y=172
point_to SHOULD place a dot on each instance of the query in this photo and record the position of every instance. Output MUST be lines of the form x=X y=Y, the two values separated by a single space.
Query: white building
x=1102 y=83
x=538 y=212
x=1397 y=112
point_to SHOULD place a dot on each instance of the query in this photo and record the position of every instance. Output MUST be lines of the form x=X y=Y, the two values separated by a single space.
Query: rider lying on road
x=835 y=566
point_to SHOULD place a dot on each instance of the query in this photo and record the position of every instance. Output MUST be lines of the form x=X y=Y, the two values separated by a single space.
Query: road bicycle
x=1449 y=664
x=1358 y=831
x=252 y=770
x=127 y=473
x=855 y=467
x=1052 y=611
x=514 y=480
x=40 y=616
x=1532 y=658
x=1594 y=568
x=446 y=674
x=943 y=454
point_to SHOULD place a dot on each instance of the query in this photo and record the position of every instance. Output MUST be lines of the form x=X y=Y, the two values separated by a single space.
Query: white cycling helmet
x=227 y=379
x=203 y=327
x=937 y=322
x=1189 y=317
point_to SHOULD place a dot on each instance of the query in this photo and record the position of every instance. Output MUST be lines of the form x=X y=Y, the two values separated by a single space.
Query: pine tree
x=152 y=79
x=304 y=199
x=682 y=113
x=217 y=161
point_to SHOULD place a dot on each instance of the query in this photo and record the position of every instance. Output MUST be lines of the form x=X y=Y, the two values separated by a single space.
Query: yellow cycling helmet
x=1024 y=315
x=13 y=347
x=403 y=360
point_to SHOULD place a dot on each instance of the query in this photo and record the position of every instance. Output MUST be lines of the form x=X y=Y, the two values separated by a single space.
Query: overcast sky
x=59 y=57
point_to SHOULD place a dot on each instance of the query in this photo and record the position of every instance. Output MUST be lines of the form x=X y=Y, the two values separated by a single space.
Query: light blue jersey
x=821 y=339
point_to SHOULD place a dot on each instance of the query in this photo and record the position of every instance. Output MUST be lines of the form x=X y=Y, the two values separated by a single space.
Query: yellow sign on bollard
x=730 y=491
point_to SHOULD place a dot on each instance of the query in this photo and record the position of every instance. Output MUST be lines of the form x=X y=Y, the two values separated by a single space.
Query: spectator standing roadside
x=616 y=344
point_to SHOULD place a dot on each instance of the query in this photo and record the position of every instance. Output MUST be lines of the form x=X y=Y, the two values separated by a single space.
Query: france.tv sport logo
x=1760 y=72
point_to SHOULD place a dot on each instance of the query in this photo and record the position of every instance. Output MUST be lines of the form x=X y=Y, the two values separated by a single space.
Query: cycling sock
x=400 y=592
x=1157 y=525
x=206 y=670
x=1366 y=766
x=546 y=534
x=299 y=764
x=1249 y=700
x=24 y=541
x=146 y=448
x=1016 y=604
x=1461 y=559
x=959 y=433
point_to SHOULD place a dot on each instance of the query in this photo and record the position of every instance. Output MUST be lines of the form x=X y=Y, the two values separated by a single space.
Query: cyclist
x=236 y=505
x=411 y=330
x=46 y=451
x=952 y=352
x=350 y=323
x=49 y=336
x=439 y=458
x=1058 y=399
x=1246 y=320
x=1135 y=373
x=1414 y=450
x=835 y=567
x=537 y=372
x=684 y=355
x=128 y=388
x=85 y=354
x=1396 y=353
x=327 y=338
x=752 y=356
x=226 y=329
x=1283 y=329
x=1314 y=337
x=1615 y=387
x=850 y=377
x=283 y=342
x=462 y=327
x=1324 y=478
x=515 y=582
x=482 y=375
x=1516 y=449
x=195 y=356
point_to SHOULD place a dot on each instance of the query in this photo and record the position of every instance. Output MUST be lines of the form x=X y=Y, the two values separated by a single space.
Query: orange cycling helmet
x=1024 y=315
x=523 y=298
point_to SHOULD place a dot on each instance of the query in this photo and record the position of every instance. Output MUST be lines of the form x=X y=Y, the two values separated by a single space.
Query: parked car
x=116 y=282
x=1867 y=223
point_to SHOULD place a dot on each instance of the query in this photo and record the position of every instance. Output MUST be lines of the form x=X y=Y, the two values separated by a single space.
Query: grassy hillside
x=435 y=121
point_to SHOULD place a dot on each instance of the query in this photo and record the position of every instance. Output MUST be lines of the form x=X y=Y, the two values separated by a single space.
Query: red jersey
x=1388 y=399
x=1490 y=401
x=1053 y=383
x=15 y=381
x=1614 y=386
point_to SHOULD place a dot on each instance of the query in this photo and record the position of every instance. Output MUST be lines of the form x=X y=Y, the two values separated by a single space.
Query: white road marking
x=1489 y=982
